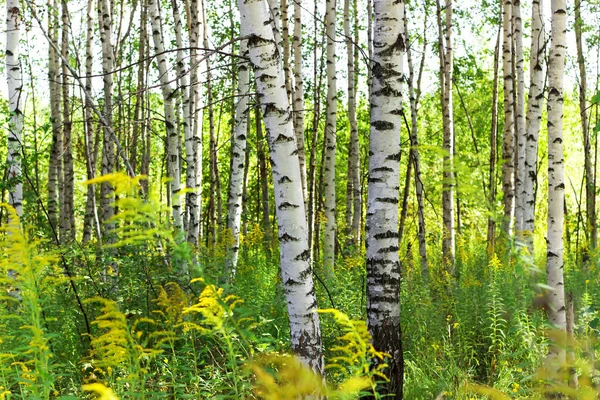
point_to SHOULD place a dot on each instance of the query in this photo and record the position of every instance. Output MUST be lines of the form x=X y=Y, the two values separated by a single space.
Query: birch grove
x=285 y=197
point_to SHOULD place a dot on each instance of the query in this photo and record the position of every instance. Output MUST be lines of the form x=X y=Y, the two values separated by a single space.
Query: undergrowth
x=148 y=317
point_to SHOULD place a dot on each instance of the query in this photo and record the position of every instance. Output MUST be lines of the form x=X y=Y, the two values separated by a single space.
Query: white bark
x=14 y=81
x=556 y=173
x=296 y=271
x=298 y=97
x=354 y=198
x=414 y=92
x=55 y=163
x=590 y=175
x=508 y=152
x=194 y=171
x=182 y=74
x=534 y=118
x=383 y=266
x=108 y=148
x=520 y=132
x=238 y=159
x=446 y=62
x=91 y=215
x=330 y=142
x=172 y=131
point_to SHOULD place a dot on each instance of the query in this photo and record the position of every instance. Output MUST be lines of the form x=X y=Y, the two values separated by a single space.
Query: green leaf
x=594 y=323
x=596 y=98
x=597 y=127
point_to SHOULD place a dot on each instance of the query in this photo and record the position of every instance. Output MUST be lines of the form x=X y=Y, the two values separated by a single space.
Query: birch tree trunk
x=353 y=191
x=182 y=74
x=414 y=95
x=91 y=215
x=491 y=225
x=534 y=117
x=383 y=265
x=55 y=163
x=194 y=170
x=556 y=176
x=590 y=186
x=298 y=97
x=238 y=159
x=330 y=142
x=108 y=147
x=446 y=62
x=508 y=152
x=172 y=131
x=214 y=211
x=16 y=99
x=67 y=212
x=285 y=38
x=520 y=132
x=296 y=271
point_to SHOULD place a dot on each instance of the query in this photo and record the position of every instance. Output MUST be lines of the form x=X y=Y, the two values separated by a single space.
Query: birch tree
x=353 y=187
x=414 y=93
x=296 y=271
x=194 y=170
x=383 y=265
x=534 y=117
x=172 y=131
x=67 y=212
x=55 y=162
x=520 y=133
x=238 y=158
x=108 y=147
x=590 y=176
x=446 y=62
x=556 y=173
x=508 y=152
x=298 y=97
x=91 y=215
x=330 y=142
x=16 y=99
x=491 y=225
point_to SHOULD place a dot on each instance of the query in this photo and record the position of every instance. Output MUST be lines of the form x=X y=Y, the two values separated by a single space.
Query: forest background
x=185 y=183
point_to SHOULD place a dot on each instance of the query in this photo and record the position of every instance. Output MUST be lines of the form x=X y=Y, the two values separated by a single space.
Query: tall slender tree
x=353 y=187
x=67 y=212
x=91 y=214
x=491 y=225
x=534 y=117
x=446 y=69
x=519 y=117
x=55 y=163
x=194 y=171
x=556 y=173
x=383 y=265
x=298 y=97
x=329 y=234
x=296 y=271
x=414 y=92
x=171 y=128
x=508 y=141
x=16 y=100
x=238 y=158
x=590 y=176
x=108 y=147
